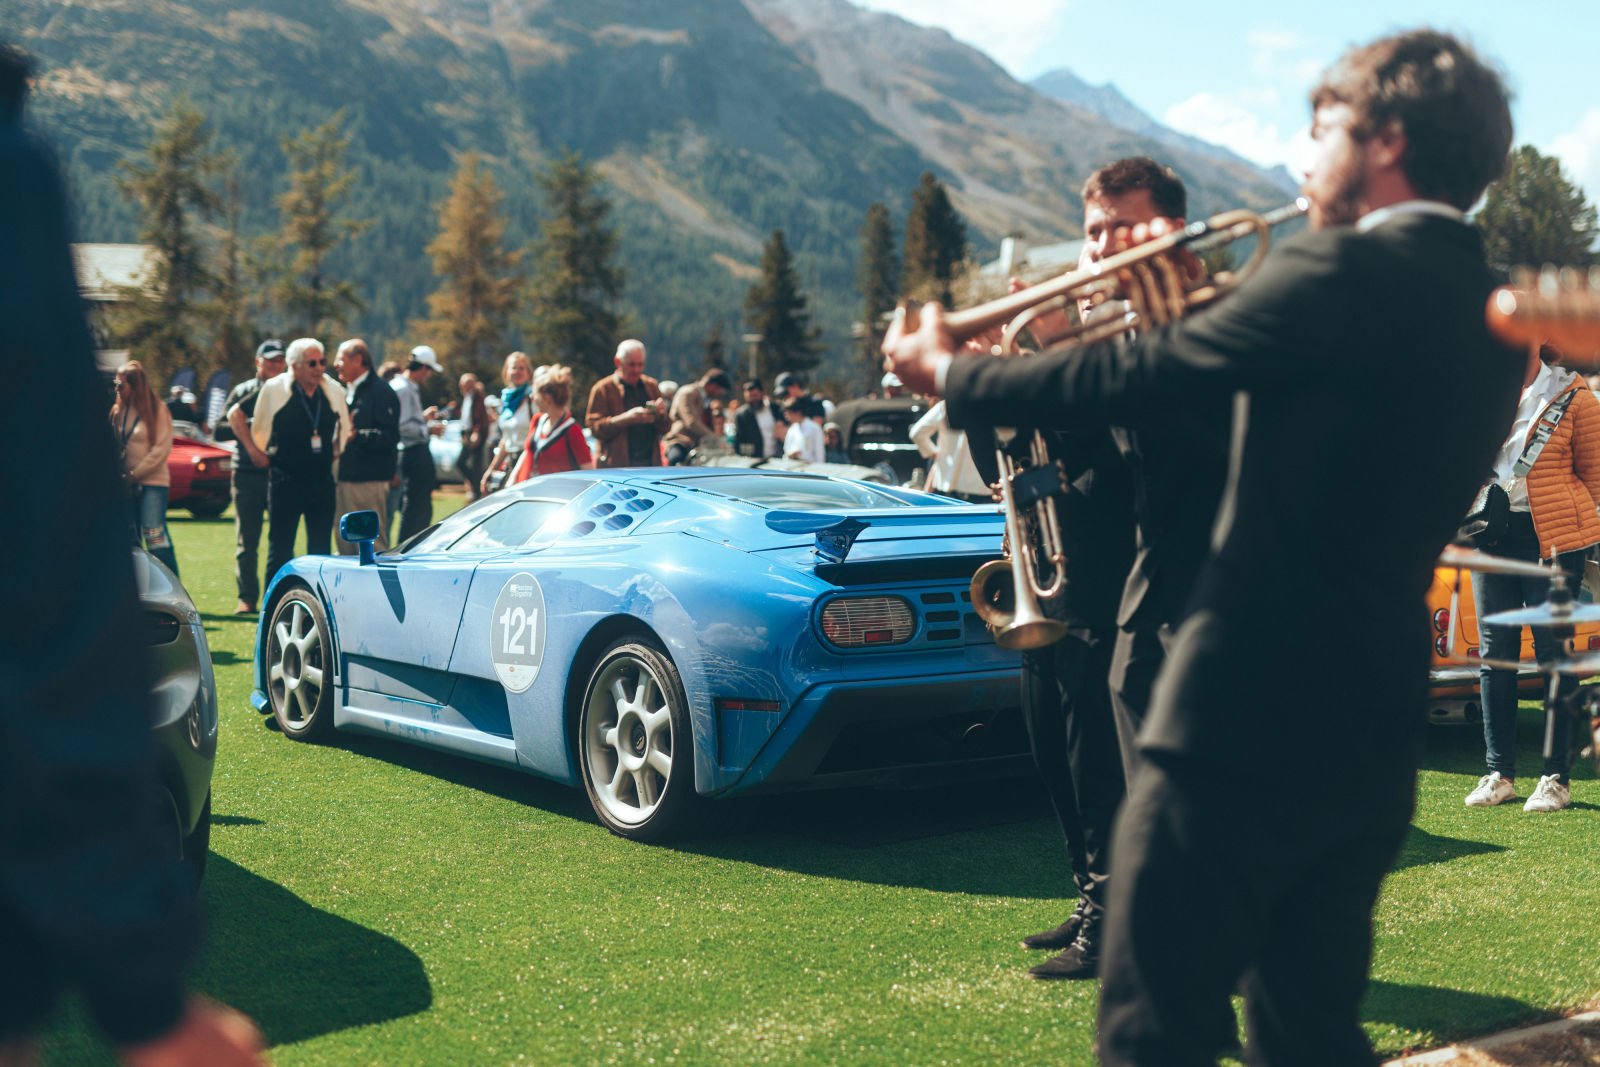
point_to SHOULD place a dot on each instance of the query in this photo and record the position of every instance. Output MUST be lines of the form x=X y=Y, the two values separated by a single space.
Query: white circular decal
x=516 y=632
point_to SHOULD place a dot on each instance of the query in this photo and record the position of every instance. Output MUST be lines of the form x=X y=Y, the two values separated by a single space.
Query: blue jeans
x=147 y=511
x=1498 y=688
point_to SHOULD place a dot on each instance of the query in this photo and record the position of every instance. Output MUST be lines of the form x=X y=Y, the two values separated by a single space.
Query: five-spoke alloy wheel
x=635 y=745
x=300 y=667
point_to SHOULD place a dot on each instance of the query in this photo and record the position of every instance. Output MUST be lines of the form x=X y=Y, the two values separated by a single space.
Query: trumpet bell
x=994 y=598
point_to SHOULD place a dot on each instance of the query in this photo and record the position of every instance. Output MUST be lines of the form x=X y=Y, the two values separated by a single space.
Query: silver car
x=184 y=709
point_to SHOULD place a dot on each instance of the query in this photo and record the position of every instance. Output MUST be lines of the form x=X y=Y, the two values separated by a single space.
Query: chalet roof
x=102 y=268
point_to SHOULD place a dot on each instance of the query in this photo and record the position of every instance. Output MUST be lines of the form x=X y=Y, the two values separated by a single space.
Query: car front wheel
x=635 y=744
x=299 y=667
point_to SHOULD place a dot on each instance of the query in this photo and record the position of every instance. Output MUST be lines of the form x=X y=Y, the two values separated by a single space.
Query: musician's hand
x=919 y=357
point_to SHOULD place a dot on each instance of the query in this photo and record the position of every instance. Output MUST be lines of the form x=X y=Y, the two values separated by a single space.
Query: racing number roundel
x=516 y=632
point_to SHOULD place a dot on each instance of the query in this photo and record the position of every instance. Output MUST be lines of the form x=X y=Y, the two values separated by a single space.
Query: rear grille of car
x=950 y=738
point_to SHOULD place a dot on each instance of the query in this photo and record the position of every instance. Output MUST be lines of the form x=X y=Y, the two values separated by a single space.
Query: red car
x=200 y=473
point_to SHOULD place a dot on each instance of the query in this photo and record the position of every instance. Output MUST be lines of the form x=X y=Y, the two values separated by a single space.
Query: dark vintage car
x=198 y=472
x=878 y=432
x=183 y=710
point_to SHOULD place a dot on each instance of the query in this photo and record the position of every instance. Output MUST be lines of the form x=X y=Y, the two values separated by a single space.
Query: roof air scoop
x=835 y=536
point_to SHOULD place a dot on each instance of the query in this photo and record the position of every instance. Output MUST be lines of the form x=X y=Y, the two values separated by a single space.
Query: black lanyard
x=315 y=415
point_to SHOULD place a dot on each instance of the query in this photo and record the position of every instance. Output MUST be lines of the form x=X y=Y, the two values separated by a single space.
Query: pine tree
x=878 y=277
x=775 y=308
x=162 y=320
x=1535 y=216
x=469 y=314
x=311 y=304
x=936 y=242
x=575 y=285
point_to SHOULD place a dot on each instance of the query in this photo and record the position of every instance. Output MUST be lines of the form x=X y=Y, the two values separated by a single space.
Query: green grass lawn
x=370 y=902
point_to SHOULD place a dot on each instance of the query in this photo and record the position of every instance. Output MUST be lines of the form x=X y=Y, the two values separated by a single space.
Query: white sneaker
x=1550 y=795
x=1492 y=789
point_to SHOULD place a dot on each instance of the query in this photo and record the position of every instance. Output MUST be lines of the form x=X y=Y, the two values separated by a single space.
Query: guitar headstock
x=1560 y=308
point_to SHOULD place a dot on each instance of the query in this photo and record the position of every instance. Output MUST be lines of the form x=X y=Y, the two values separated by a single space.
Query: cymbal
x=1473 y=559
x=1546 y=614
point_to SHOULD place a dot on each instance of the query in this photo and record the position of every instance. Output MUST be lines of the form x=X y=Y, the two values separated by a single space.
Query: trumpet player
x=1226 y=864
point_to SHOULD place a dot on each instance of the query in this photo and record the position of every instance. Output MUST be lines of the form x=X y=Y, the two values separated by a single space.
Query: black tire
x=197 y=845
x=299 y=667
x=207 y=510
x=644 y=792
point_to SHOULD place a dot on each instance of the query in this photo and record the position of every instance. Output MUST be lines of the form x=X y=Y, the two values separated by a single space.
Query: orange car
x=1454 y=696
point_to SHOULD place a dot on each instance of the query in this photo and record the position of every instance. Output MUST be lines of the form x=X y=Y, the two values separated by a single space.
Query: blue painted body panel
x=663 y=552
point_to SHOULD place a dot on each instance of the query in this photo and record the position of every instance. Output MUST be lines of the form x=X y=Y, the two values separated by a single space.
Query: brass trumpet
x=1009 y=593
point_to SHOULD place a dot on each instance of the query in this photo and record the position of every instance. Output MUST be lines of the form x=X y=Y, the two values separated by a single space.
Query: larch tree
x=469 y=313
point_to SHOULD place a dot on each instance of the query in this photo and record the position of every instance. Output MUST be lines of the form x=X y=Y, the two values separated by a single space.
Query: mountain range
x=713 y=122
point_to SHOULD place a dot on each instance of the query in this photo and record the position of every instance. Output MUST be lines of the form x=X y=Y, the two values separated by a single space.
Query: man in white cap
x=417 y=479
x=892 y=386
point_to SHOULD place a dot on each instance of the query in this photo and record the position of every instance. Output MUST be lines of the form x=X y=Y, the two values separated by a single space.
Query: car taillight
x=1441 y=644
x=204 y=466
x=1441 y=620
x=861 y=622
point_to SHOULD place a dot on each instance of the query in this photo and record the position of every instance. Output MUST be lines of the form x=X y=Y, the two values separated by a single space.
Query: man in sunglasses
x=301 y=424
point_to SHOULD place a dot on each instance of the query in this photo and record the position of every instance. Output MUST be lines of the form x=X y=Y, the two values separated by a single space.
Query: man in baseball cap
x=417 y=478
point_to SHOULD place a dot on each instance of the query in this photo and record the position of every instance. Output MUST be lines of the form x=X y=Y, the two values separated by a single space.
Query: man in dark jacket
x=366 y=468
x=1209 y=885
x=87 y=899
x=758 y=427
x=249 y=480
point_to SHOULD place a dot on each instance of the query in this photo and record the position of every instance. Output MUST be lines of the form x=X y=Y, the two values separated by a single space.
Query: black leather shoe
x=1080 y=960
x=1063 y=935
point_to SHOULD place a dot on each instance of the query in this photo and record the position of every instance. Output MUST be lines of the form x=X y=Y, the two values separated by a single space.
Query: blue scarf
x=511 y=398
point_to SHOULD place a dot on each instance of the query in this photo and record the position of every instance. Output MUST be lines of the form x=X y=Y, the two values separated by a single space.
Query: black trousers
x=1135 y=663
x=470 y=465
x=1217 y=879
x=1067 y=709
x=249 y=509
x=289 y=499
x=417 y=479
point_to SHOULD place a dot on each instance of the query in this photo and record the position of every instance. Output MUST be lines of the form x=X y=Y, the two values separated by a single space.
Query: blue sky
x=1237 y=72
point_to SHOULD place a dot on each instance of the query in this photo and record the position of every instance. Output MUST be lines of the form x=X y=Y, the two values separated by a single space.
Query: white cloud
x=1011 y=33
x=1229 y=121
x=1579 y=152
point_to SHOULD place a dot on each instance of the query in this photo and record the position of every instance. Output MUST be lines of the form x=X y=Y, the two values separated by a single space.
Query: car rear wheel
x=635 y=743
x=206 y=509
x=300 y=667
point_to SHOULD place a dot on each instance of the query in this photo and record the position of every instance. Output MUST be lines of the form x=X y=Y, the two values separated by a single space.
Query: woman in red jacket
x=1550 y=469
x=555 y=442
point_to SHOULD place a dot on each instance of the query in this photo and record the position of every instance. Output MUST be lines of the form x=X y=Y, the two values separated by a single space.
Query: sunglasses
x=315 y=362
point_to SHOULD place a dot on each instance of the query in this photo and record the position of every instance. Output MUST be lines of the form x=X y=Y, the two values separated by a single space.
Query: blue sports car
x=663 y=636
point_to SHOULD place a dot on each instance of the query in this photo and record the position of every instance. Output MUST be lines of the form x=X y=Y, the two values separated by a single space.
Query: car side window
x=510 y=527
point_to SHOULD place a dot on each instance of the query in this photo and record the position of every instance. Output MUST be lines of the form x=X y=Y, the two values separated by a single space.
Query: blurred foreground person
x=1276 y=885
x=87 y=900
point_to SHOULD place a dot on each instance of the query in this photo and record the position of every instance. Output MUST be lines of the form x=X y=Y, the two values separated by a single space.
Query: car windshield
x=797 y=492
x=553 y=492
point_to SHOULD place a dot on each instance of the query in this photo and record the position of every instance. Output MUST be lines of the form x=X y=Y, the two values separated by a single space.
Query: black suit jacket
x=369 y=455
x=1376 y=398
x=747 y=436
